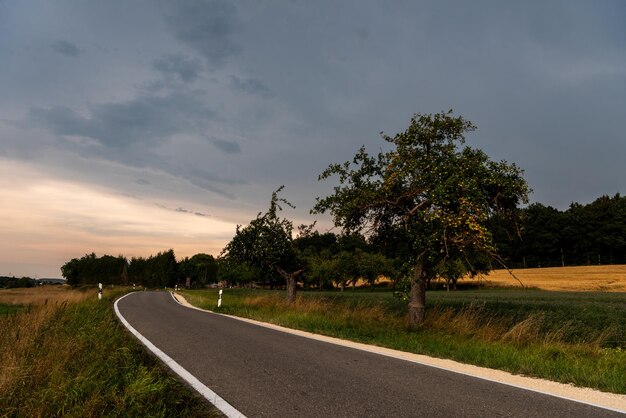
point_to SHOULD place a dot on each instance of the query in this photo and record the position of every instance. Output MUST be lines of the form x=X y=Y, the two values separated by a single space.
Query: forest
x=581 y=235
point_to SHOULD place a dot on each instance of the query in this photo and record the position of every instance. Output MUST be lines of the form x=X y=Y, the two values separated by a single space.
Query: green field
x=577 y=338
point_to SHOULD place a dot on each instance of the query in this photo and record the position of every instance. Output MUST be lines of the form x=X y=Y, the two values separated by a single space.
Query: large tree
x=438 y=191
x=267 y=243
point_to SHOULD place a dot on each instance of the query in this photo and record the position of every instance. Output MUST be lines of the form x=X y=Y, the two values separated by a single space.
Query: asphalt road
x=268 y=373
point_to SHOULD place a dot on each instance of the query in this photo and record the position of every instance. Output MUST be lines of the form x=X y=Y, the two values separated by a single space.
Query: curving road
x=267 y=373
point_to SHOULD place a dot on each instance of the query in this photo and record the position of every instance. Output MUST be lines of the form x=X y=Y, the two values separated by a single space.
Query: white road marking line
x=226 y=408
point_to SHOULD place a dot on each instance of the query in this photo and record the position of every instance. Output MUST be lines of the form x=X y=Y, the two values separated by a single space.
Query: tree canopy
x=437 y=191
x=267 y=243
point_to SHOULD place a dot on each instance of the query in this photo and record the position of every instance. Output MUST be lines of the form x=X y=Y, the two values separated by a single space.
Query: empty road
x=267 y=373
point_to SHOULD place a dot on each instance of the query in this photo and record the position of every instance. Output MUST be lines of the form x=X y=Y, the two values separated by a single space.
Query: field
x=41 y=295
x=64 y=353
x=571 y=279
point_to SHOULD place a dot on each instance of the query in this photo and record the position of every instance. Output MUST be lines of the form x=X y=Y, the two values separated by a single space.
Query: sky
x=133 y=127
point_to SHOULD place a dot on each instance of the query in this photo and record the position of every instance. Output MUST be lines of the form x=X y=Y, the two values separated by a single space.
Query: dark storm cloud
x=229 y=147
x=179 y=67
x=251 y=86
x=543 y=81
x=207 y=27
x=66 y=48
x=209 y=185
x=146 y=119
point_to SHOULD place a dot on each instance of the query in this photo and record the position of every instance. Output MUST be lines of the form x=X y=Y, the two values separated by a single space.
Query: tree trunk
x=417 y=302
x=292 y=281
x=291 y=289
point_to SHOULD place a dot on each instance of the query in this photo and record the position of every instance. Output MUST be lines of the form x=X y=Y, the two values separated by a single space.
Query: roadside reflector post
x=99 y=291
x=219 y=300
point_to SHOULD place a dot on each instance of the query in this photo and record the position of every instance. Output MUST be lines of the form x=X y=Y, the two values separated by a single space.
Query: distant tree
x=91 y=269
x=156 y=271
x=267 y=244
x=14 y=282
x=373 y=265
x=70 y=272
x=320 y=270
x=314 y=243
x=439 y=194
x=234 y=272
x=201 y=269
x=316 y=250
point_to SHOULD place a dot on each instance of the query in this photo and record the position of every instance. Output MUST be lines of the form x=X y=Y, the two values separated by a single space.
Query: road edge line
x=217 y=401
x=422 y=359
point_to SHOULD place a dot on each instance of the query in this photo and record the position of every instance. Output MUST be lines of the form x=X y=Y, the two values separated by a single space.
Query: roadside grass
x=69 y=356
x=6 y=309
x=577 y=338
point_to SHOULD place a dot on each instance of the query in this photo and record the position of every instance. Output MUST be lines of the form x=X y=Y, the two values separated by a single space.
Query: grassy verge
x=577 y=338
x=70 y=356
x=6 y=309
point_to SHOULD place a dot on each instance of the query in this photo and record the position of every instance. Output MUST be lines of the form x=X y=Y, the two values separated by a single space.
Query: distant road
x=267 y=373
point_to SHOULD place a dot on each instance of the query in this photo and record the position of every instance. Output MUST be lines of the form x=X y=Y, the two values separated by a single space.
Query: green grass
x=577 y=338
x=81 y=362
x=8 y=309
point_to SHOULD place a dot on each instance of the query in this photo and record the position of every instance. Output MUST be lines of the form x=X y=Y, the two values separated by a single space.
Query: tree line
x=543 y=237
x=594 y=233
x=7 y=282
x=161 y=270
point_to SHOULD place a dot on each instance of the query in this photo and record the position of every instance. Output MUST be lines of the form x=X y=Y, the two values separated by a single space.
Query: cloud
x=229 y=147
x=66 y=48
x=207 y=27
x=178 y=67
x=120 y=125
x=183 y=210
x=144 y=133
x=251 y=86
x=38 y=210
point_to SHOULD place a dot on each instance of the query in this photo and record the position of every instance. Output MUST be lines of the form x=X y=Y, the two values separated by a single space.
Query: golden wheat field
x=42 y=295
x=572 y=279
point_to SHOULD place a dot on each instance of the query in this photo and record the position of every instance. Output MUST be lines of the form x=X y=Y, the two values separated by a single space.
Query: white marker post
x=219 y=300
x=99 y=291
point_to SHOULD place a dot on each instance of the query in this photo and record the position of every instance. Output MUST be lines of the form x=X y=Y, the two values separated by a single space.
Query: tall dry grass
x=471 y=320
x=42 y=295
x=66 y=354
x=19 y=333
x=362 y=315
